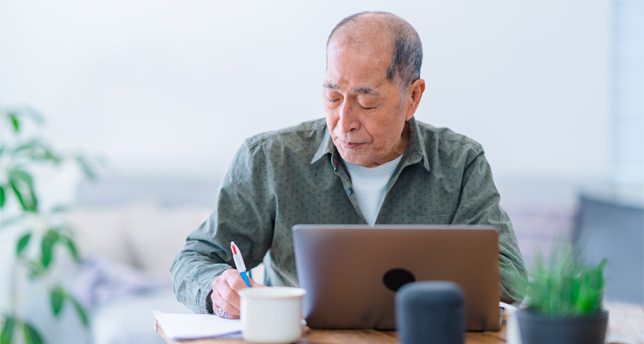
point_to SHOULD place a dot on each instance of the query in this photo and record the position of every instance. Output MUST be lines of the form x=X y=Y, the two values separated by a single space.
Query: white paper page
x=190 y=326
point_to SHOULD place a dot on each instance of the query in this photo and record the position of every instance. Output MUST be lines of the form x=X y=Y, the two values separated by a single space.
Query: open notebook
x=193 y=326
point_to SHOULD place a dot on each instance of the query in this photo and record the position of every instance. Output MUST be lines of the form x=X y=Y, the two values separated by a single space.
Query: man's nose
x=348 y=120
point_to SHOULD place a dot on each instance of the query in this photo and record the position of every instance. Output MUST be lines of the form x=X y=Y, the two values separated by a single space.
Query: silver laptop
x=351 y=272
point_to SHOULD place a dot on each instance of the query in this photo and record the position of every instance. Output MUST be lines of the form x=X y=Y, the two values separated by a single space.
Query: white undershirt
x=370 y=186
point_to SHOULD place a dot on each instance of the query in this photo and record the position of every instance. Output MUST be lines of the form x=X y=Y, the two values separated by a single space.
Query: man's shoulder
x=445 y=139
x=306 y=135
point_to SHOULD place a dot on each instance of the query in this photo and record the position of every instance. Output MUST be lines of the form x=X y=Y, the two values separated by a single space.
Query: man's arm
x=479 y=204
x=242 y=215
x=196 y=267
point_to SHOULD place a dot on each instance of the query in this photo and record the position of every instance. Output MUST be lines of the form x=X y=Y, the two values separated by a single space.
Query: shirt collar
x=326 y=147
x=414 y=153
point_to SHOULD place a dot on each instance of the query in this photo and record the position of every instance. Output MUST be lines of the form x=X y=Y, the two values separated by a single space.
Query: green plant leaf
x=31 y=334
x=7 y=330
x=33 y=114
x=47 y=247
x=57 y=298
x=565 y=285
x=15 y=123
x=86 y=167
x=36 y=149
x=26 y=146
x=64 y=230
x=23 y=186
x=22 y=243
x=35 y=268
x=80 y=310
x=59 y=209
x=64 y=237
x=2 y=197
x=71 y=247
x=9 y=221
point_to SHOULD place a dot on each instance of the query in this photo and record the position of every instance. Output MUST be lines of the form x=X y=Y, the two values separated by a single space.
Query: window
x=627 y=92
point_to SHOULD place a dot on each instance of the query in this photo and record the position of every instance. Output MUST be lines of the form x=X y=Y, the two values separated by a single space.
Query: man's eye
x=366 y=107
x=333 y=100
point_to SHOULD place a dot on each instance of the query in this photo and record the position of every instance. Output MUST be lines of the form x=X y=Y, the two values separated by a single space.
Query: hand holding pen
x=224 y=297
x=239 y=262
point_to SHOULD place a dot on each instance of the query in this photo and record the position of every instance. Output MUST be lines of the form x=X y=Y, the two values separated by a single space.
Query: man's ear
x=414 y=94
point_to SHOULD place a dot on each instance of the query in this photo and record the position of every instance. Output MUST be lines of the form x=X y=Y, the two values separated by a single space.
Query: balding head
x=400 y=39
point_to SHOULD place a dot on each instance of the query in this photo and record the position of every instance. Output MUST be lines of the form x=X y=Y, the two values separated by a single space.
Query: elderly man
x=369 y=162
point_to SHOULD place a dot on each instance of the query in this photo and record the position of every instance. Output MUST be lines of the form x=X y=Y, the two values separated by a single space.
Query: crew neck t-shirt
x=370 y=186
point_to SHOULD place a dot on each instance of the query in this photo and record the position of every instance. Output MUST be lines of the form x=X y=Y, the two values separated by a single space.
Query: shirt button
x=349 y=191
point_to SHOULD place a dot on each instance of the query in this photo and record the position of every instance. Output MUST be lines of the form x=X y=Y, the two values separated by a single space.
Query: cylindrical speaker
x=430 y=313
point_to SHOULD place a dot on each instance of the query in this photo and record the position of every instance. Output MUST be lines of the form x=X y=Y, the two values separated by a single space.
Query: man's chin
x=355 y=159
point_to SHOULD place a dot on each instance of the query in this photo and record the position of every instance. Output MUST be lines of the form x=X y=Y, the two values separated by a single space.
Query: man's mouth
x=349 y=145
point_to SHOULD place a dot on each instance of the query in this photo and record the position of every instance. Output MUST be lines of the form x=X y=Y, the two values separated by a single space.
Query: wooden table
x=350 y=336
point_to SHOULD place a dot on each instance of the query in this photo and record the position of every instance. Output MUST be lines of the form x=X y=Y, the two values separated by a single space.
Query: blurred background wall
x=163 y=88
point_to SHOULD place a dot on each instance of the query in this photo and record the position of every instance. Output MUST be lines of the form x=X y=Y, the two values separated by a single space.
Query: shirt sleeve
x=242 y=215
x=479 y=204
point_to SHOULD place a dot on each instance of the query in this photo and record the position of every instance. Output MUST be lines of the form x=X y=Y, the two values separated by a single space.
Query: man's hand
x=225 y=299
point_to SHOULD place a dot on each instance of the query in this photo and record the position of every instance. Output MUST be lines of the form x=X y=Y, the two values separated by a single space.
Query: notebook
x=351 y=272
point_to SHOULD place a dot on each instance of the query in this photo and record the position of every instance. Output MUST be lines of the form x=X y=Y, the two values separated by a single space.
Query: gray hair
x=408 y=50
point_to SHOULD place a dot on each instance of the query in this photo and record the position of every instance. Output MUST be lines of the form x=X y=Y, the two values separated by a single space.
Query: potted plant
x=40 y=232
x=564 y=301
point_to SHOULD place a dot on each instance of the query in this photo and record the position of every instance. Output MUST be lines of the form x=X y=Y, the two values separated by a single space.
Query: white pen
x=239 y=262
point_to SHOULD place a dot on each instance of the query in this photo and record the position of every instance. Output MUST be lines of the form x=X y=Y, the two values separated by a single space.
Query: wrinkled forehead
x=356 y=65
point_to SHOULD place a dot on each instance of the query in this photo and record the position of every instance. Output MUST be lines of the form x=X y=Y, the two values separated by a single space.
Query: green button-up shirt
x=296 y=176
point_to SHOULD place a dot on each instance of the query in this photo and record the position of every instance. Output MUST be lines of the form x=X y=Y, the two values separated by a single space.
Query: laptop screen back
x=351 y=272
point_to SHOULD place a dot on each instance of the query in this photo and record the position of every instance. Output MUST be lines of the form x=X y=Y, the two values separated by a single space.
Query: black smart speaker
x=430 y=313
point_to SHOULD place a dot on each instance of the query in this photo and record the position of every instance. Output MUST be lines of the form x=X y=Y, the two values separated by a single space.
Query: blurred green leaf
x=64 y=237
x=7 y=330
x=35 y=268
x=25 y=146
x=80 y=310
x=33 y=114
x=64 y=230
x=47 y=247
x=22 y=243
x=2 y=197
x=57 y=300
x=31 y=334
x=565 y=286
x=15 y=123
x=73 y=251
x=86 y=167
x=18 y=192
x=37 y=150
x=9 y=221
x=23 y=186
x=59 y=209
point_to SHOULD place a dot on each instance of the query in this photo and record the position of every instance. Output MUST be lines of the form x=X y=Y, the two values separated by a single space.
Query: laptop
x=351 y=272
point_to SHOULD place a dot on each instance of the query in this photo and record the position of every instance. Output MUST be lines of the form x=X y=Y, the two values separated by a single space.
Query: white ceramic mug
x=271 y=314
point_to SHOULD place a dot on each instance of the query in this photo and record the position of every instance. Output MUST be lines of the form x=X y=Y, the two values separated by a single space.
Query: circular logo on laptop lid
x=395 y=278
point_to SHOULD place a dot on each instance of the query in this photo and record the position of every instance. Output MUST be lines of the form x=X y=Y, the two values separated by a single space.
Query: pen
x=239 y=262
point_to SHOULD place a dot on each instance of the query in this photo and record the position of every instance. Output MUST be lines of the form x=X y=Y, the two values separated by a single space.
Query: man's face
x=365 y=111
